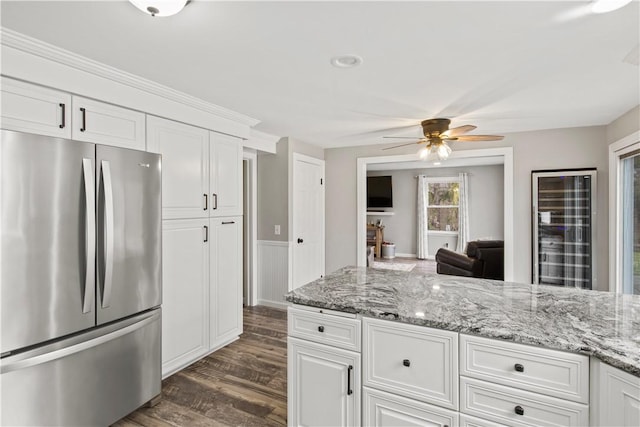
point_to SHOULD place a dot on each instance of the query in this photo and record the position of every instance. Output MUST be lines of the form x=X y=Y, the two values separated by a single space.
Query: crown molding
x=50 y=52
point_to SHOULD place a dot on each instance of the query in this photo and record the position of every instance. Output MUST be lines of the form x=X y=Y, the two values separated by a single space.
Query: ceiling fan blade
x=478 y=138
x=458 y=130
x=403 y=145
x=400 y=137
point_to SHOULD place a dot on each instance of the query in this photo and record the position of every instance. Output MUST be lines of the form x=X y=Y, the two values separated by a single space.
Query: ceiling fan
x=437 y=133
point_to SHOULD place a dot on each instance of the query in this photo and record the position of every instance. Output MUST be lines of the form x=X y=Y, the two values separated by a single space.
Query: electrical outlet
x=276 y=230
x=446 y=245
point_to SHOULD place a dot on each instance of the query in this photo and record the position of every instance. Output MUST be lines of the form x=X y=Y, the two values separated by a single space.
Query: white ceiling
x=505 y=66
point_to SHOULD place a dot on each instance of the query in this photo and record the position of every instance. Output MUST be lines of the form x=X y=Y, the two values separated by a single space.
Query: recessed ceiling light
x=346 y=61
x=603 y=6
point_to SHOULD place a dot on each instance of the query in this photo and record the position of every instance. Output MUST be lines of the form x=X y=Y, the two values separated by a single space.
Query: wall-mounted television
x=379 y=192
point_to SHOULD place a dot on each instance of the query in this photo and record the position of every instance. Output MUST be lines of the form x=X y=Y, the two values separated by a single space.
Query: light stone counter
x=600 y=324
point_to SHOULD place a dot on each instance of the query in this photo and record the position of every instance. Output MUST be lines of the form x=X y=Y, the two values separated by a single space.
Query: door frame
x=250 y=224
x=616 y=151
x=292 y=185
x=505 y=152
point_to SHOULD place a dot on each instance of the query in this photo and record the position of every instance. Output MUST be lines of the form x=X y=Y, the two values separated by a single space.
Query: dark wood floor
x=244 y=383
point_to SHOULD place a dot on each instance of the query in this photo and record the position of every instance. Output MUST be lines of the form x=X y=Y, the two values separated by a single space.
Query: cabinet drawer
x=324 y=328
x=502 y=404
x=413 y=361
x=382 y=409
x=469 y=421
x=551 y=372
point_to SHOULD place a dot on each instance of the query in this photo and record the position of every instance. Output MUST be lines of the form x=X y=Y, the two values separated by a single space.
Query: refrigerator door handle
x=108 y=234
x=90 y=234
x=44 y=356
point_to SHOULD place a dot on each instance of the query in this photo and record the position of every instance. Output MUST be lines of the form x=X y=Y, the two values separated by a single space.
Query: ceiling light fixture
x=346 y=61
x=604 y=6
x=159 y=7
x=435 y=151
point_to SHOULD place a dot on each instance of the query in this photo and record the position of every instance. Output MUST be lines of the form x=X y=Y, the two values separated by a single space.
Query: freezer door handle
x=90 y=235
x=108 y=231
x=43 y=356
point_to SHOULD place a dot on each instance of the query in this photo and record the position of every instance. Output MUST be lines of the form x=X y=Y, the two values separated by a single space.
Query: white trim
x=505 y=152
x=399 y=255
x=261 y=141
x=281 y=243
x=252 y=220
x=319 y=162
x=53 y=53
x=442 y=233
x=273 y=304
x=619 y=148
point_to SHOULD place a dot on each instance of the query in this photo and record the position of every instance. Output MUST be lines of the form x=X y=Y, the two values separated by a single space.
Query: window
x=443 y=205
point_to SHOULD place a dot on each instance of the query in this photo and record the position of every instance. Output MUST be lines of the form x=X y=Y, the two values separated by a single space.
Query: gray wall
x=486 y=206
x=274 y=184
x=624 y=125
x=273 y=204
x=547 y=149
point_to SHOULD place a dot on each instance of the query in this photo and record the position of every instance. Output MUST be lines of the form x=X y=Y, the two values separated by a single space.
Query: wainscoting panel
x=273 y=260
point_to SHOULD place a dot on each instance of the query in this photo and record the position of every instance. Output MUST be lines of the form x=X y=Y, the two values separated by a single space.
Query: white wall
x=624 y=125
x=486 y=206
x=547 y=149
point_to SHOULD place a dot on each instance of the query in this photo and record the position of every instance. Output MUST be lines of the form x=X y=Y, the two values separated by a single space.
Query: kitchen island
x=481 y=327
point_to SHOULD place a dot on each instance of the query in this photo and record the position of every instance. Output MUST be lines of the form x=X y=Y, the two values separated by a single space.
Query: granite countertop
x=600 y=324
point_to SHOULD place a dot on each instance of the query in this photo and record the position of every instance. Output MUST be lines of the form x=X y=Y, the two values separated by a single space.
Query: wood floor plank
x=243 y=383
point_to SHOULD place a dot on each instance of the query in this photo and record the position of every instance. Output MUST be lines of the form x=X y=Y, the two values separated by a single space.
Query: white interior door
x=308 y=219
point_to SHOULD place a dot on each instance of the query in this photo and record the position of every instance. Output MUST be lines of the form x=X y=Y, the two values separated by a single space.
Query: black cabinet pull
x=64 y=118
x=206 y=234
x=519 y=367
x=84 y=120
x=215 y=200
x=519 y=410
x=320 y=328
x=300 y=240
x=406 y=362
x=228 y=222
x=349 y=391
x=206 y=202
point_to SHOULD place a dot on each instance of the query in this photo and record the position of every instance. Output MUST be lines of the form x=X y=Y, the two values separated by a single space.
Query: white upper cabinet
x=101 y=123
x=226 y=175
x=185 y=167
x=35 y=109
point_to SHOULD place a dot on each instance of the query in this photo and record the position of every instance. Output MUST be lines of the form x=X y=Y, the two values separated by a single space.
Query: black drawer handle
x=64 y=119
x=406 y=362
x=228 y=222
x=519 y=367
x=320 y=328
x=349 y=391
x=519 y=410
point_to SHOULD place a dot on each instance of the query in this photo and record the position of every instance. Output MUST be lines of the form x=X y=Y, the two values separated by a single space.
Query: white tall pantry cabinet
x=202 y=228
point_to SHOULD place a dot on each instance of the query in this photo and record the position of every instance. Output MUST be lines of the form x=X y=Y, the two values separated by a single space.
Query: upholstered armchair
x=483 y=258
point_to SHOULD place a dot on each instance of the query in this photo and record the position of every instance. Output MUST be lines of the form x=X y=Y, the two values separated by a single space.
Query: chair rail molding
x=507 y=156
x=17 y=66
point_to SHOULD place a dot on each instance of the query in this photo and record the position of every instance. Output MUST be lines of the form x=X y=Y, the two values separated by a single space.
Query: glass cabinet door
x=564 y=204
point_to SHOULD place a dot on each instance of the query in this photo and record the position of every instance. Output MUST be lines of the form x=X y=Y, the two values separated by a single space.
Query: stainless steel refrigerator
x=80 y=272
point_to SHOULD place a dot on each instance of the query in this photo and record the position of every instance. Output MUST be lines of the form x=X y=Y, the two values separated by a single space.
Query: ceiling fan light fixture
x=604 y=6
x=159 y=7
x=443 y=151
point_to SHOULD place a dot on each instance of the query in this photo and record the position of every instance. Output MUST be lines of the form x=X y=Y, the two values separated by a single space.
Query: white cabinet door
x=226 y=175
x=35 y=109
x=225 y=236
x=323 y=385
x=102 y=123
x=382 y=409
x=185 y=294
x=185 y=167
x=615 y=396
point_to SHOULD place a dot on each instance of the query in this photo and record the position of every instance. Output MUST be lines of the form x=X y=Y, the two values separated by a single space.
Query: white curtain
x=463 y=213
x=422 y=249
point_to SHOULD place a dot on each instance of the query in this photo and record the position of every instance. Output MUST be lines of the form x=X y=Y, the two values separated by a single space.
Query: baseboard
x=405 y=255
x=274 y=304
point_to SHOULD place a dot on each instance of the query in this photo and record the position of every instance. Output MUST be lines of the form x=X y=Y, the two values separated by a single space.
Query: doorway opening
x=250 y=228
